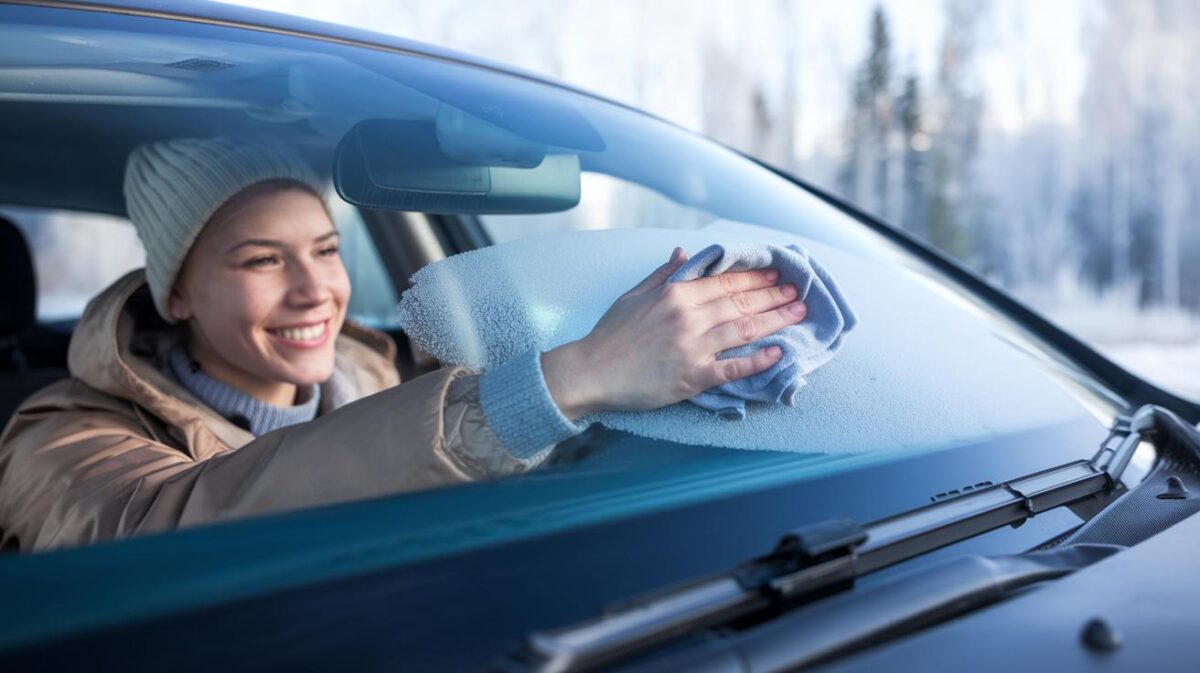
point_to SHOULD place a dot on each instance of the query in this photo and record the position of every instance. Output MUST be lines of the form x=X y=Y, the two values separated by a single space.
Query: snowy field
x=1171 y=365
x=1160 y=345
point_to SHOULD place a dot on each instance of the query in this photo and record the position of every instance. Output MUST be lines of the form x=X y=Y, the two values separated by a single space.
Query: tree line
x=1109 y=202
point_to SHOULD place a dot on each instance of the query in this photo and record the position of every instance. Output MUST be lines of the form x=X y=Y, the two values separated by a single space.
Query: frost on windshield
x=921 y=370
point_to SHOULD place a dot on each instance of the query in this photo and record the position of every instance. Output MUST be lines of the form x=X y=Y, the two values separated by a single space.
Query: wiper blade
x=816 y=560
x=821 y=632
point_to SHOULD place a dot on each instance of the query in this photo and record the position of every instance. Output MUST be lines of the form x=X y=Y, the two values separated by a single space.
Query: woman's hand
x=658 y=343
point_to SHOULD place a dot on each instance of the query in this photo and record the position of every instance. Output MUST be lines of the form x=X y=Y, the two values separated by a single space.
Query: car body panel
x=279 y=573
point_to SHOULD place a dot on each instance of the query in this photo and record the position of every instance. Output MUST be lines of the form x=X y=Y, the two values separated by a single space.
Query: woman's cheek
x=341 y=291
x=252 y=304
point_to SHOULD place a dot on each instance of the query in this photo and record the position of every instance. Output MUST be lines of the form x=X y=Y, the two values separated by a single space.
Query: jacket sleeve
x=90 y=469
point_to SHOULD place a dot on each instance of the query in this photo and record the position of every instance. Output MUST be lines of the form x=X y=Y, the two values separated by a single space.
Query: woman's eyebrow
x=260 y=242
x=269 y=243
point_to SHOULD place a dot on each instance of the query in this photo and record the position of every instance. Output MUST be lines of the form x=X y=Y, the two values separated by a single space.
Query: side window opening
x=75 y=256
x=373 y=297
x=78 y=254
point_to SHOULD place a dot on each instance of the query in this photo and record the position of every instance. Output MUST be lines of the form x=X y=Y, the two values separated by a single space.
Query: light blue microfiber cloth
x=806 y=345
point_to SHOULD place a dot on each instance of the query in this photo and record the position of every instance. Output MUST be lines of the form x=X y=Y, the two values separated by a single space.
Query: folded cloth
x=805 y=345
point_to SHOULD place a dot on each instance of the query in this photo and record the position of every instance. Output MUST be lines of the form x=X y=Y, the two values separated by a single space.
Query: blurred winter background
x=1053 y=147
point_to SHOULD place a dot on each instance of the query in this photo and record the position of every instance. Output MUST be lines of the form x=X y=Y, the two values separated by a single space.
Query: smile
x=306 y=335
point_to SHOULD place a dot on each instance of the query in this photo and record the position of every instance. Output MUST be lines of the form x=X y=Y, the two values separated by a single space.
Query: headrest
x=17 y=308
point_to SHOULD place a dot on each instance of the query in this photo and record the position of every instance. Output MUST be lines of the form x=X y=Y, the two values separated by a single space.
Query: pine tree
x=864 y=177
x=953 y=201
x=913 y=210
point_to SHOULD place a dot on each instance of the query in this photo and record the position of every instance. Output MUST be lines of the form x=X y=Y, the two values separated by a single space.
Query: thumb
x=662 y=273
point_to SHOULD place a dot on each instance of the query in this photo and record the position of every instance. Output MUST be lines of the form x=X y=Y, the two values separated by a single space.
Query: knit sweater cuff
x=518 y=407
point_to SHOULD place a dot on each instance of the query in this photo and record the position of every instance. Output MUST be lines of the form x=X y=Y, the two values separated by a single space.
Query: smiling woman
x=233 y=337
x=264 y=292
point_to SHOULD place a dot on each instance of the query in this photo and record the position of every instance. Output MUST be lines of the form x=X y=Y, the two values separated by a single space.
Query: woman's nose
x=309 y=286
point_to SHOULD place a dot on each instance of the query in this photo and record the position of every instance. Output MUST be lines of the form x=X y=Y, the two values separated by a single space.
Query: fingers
x=662 y=273
x=720 y=372
x=709 y=288
x=745 y=329
x=734 y=306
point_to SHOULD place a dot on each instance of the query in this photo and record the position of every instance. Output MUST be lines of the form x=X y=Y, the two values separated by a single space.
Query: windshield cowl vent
x=959 y=491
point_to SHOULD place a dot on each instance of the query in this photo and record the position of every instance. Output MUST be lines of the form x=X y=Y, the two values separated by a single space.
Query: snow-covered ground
x=1172 y=366
x=1160 y=345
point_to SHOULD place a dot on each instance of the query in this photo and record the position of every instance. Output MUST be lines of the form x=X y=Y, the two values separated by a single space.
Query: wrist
x=518 y=407
x=568 y=378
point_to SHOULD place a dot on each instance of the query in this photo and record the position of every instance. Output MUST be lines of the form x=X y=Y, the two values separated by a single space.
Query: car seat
x=24 y=368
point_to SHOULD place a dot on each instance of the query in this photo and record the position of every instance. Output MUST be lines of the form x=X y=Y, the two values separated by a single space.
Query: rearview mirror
x=455 y=164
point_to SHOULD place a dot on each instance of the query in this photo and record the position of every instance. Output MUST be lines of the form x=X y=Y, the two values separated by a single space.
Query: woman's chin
x=299 y=369
x=307 y=375
x=301 y=382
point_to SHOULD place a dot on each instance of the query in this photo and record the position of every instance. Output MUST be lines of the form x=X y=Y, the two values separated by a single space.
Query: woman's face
x=264 y=292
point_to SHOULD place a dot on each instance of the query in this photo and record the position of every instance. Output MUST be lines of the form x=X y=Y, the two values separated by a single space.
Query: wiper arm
x=817 y=633
x=819 y=559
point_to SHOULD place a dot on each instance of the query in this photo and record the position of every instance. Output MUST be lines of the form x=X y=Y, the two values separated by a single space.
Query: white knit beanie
x=172 y=188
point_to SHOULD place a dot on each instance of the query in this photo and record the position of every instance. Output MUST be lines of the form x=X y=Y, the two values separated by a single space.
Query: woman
x=224 y=380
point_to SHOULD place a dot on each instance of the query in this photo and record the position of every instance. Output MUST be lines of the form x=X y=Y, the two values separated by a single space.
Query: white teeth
x=302 y=333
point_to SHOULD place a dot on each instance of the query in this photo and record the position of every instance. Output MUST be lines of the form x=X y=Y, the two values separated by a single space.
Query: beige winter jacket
x=121 y=449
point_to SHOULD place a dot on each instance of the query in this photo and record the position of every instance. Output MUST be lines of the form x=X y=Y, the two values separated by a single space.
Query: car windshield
x=928 y=367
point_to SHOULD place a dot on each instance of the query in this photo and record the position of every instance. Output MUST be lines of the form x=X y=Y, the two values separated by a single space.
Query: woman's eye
x=329 y=251
x=265 y=260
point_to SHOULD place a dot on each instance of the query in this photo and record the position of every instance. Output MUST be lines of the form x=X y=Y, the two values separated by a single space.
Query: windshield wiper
x=823 y=631
x=820 y=559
